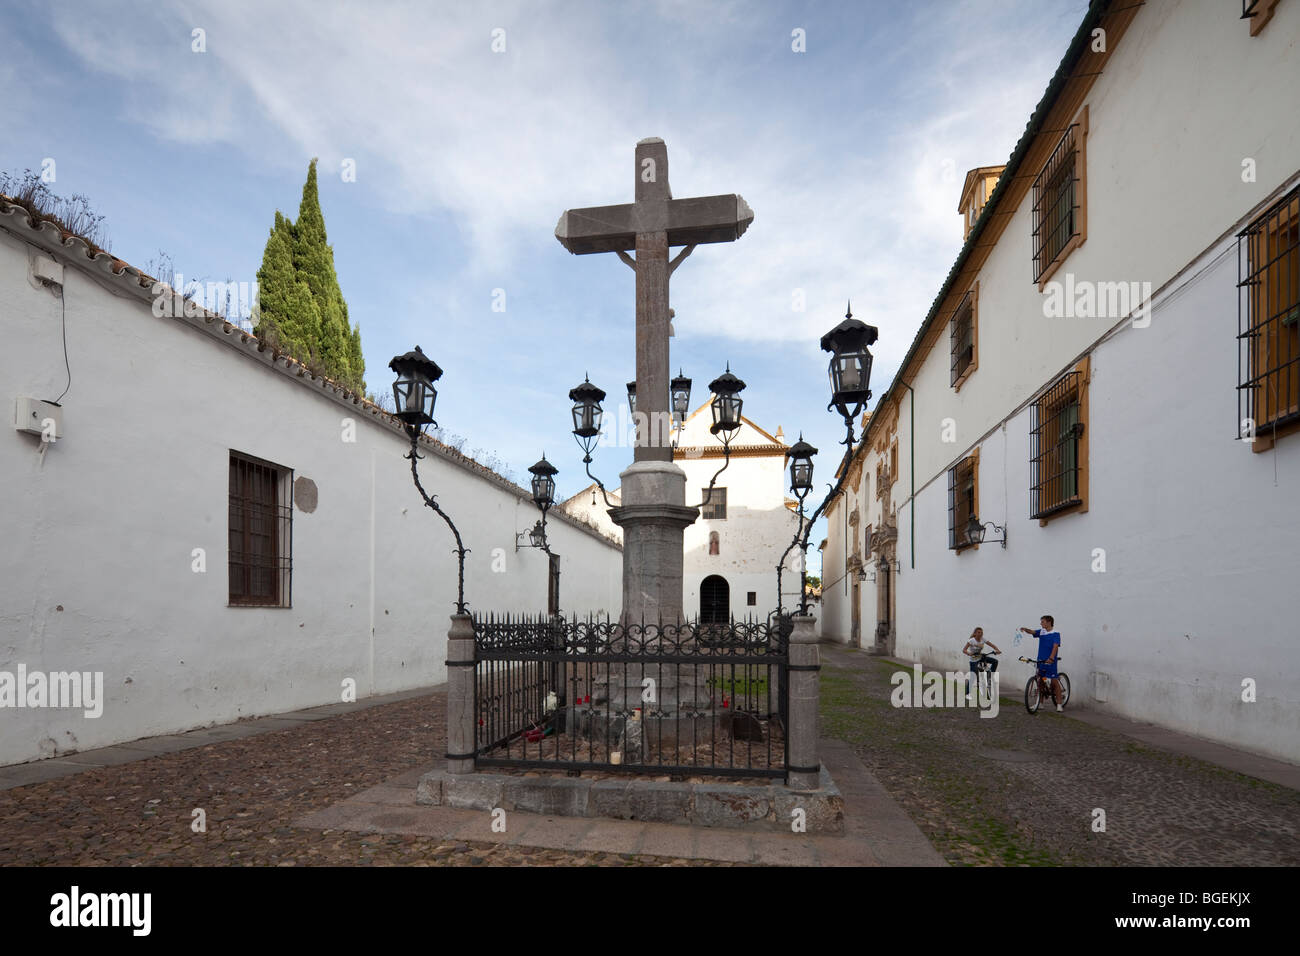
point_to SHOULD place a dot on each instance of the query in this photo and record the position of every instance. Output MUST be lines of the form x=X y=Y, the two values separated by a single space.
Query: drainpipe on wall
x=912 y=468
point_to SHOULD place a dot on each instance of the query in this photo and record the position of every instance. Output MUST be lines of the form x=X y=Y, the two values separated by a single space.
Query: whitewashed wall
x=758 y=527
x=1197 y=535
x=1197 y=531
x=96 y=574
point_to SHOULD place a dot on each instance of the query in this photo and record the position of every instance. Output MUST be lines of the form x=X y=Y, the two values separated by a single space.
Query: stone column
x=461 y=738
x=653 y=517
x=805 y=691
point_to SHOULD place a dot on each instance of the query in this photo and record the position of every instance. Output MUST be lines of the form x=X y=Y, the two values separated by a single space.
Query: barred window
x=1057 y=450
x=963 y=500
x=261 y=533
x=1057 y=202
x=1268 y=319
x=715 y=506
x=962 y=337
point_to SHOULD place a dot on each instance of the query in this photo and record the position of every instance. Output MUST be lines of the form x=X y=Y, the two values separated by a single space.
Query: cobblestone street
x=251 y=790
x=1014 y=790
x=1020 y=789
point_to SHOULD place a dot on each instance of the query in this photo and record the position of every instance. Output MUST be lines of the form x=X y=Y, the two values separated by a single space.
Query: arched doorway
x=715 y=600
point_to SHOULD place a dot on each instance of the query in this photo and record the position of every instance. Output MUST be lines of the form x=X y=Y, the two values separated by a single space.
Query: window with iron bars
x=261 y=533
x=1056 y=203
x=715 y=507
x=1268 y=322
x=962 y=337
x=1056 y=449
x=963 y=500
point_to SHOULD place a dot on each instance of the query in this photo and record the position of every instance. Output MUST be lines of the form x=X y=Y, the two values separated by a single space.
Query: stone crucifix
x=654 y=513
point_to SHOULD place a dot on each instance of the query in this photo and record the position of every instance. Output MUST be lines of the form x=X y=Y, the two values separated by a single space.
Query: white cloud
x=503 y=142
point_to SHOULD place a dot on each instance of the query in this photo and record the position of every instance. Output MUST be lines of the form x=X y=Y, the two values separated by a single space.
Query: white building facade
x=217 y=532
x=1110 y=381
x=745 y=526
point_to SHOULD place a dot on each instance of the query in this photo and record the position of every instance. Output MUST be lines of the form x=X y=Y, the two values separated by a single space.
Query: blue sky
x=851 y=155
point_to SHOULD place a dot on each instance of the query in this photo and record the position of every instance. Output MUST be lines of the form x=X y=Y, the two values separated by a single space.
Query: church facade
x=730 y=553
x=207 y=531
x=746 y=523
x=1099 y=418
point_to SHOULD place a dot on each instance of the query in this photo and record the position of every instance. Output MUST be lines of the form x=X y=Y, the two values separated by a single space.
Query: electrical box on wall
x=48 y=271
x=36 y=417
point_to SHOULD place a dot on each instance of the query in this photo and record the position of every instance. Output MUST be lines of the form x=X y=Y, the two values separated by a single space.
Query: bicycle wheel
x=1065 y=688
x=1032 y=697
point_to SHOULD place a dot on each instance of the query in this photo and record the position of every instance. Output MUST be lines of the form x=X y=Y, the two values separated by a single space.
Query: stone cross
x=650 y=225
x=654 y=513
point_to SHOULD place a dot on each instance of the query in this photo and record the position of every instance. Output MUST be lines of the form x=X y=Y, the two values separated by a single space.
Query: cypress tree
x=302 y=310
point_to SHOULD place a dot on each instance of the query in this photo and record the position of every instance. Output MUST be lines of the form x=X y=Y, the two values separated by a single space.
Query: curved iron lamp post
x=975 y=531
x=801 y=471
x=725 y=408
x=415 y=395
x=543 y=485
x=850 y=378
x=587 y=414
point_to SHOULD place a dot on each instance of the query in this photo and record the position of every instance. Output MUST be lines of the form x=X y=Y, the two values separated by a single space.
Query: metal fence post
x=803 y=766
x=460 y=695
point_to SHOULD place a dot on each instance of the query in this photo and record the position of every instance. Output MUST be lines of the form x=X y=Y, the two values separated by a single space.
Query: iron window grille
x=1268 y=318
x=963 y=338
x=260 y=533
x=715 y=507
x=1056 y=429
x=961 y=501
x=1056 y=202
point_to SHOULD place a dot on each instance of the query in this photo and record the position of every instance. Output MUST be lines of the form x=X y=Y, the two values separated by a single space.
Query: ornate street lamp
x=587 y=413
x=536 y=536
x=631 y=397
x=801 y=468
x=850 y=365
x=415 y=395
x=801 y=471
x=543 y=483
x=975 y=531
x=680 y=392
x=850 y=375
x=543 y=496
x=413 y=392
x=726 y=405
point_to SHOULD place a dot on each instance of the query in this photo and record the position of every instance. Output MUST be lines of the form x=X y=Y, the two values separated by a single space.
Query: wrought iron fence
x=682 y=700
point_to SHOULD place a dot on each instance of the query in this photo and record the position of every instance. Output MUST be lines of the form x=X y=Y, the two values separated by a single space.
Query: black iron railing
x=1268 y=319
x=683 y=700
x=1056 y=428
x=962 y=336
x=961 y=501
x=1056 y=205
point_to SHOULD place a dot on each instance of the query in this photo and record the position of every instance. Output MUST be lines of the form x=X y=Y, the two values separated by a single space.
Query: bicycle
x=983 y=674
x=1038 y=687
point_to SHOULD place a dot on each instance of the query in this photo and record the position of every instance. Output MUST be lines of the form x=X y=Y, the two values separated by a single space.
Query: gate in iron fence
x=688 y=699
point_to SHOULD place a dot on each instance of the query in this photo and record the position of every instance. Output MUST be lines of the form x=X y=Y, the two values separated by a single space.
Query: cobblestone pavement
x=251 y=789
x=1023 y=790
x=1015 y=790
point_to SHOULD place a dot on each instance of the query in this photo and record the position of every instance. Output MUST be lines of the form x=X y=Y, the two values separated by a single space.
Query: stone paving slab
x=106 y=756
x=877 y=831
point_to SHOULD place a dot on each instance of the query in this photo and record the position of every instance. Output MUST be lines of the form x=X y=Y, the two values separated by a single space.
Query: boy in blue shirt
x=1049 y=648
